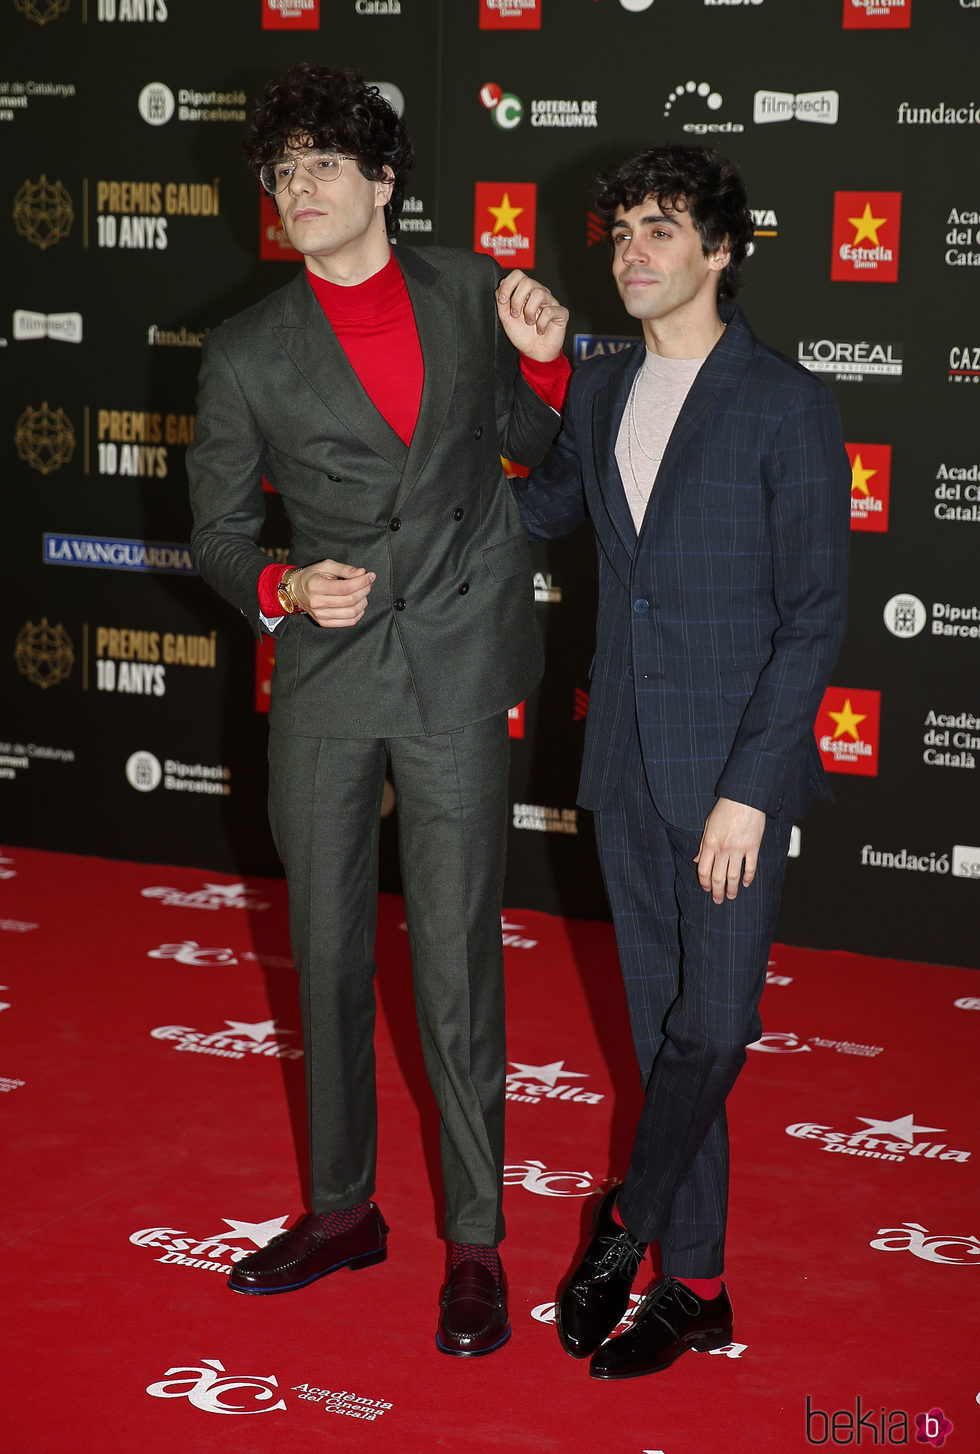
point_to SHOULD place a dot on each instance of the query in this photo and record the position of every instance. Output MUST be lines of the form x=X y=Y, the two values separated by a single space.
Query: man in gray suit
x=377 y=391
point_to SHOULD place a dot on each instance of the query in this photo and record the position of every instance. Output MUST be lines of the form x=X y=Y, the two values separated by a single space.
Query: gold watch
x=287 y=600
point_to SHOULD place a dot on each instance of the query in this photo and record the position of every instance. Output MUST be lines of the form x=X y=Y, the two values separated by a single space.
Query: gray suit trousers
x=324 y=807
x=693 y=971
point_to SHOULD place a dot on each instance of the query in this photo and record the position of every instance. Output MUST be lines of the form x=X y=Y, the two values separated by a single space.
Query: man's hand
x=531 y=316
x=731 y=836
x=332 y=594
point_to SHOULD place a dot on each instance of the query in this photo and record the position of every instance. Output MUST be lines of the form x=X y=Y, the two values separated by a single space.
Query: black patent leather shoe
x=670 y=1320
x=474 y=1316
x=305 y=1252
x=596 y=1295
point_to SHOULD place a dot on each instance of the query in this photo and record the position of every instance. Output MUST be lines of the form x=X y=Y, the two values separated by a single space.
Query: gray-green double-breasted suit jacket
x=448 y=636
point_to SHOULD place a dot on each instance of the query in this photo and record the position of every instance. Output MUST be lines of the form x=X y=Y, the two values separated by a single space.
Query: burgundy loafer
x=474 y=1313
x=304 y=1252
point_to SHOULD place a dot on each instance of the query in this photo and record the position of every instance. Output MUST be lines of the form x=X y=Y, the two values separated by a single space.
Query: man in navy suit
x=714 y=474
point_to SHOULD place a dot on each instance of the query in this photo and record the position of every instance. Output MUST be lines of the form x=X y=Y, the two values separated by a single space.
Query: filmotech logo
x=61 y=327
x=866 y=236
x=703 y=97
x=290 y=14
x=852 y=362
x=877 y=14
x=819 y=106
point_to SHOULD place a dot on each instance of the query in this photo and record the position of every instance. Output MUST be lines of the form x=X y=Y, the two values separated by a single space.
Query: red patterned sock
x=706 y=1288
x=488 y=1257
x=343 y=1220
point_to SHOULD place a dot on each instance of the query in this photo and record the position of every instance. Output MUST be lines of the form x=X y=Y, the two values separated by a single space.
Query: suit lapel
x=608 y=408
x=432 y=298
x=312 y=346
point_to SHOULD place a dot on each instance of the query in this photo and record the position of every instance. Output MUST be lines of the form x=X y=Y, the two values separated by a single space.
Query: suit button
x=457 y=514
x=399 y=604
x=394 y=524
x=464 y=588
x=335 y=478
x=478 y=432
x=641 y=607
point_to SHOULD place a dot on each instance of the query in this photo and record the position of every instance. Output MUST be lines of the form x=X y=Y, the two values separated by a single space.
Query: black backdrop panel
x=132 y=719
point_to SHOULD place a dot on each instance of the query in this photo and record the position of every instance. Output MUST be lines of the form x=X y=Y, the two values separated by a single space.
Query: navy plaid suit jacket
x=719 y=625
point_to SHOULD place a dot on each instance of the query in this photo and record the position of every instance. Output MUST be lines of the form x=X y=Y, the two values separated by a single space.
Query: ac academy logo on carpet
x=871 y=475
x=535 y=1177
x=205 y=1390
x=847 y=730
x=787 y=1042
x=505 y=222
x=882 y=1140
x=950 y=1249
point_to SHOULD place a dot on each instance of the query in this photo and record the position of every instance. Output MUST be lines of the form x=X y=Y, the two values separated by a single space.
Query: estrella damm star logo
x=847 y=729
x=866 y=230
x=505 y=222
x=877 y=14
x=871 y=471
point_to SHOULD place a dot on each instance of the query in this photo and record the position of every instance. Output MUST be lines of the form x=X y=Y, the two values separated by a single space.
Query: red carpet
x=151 y=1080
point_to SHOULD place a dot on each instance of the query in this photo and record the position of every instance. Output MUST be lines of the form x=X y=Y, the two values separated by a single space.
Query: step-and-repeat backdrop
x=133 y=712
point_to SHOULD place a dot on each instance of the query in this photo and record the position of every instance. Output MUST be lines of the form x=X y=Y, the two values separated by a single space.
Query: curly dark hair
x=692 y=178
x=332 y=109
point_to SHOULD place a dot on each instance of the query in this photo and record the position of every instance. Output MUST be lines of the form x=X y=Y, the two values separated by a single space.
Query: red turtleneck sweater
x=375 y=327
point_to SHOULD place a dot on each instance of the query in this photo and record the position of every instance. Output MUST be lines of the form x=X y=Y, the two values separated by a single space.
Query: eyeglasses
x=323 y=166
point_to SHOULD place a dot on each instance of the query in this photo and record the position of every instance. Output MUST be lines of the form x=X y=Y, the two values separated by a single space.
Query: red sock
x=705 y=1288
x=344 y=1219
x=488 y=1257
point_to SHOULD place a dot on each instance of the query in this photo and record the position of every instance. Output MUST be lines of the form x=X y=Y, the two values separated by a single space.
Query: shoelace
x=622 y=1254
x=668 y=1290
